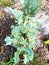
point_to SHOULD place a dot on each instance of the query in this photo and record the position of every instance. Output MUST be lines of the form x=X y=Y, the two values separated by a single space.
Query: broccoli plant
x=23 y=36
x=24 y=39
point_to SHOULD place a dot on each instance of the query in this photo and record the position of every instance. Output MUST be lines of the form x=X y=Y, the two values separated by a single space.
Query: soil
x=5 y=51
x=5 y=28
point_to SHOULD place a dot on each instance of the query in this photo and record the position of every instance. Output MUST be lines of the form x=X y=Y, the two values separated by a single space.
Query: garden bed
x=24 y=33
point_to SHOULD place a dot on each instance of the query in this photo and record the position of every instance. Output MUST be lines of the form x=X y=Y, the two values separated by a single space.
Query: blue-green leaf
x=8 y=40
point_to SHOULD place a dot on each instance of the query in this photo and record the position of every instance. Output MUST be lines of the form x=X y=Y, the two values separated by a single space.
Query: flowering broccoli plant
x=23 y=35
x=23 y=38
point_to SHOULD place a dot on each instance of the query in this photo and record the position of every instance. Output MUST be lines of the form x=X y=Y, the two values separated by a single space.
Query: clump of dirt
x=5 y=28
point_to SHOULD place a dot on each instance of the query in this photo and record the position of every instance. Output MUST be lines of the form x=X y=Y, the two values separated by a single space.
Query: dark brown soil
x=5 y=28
